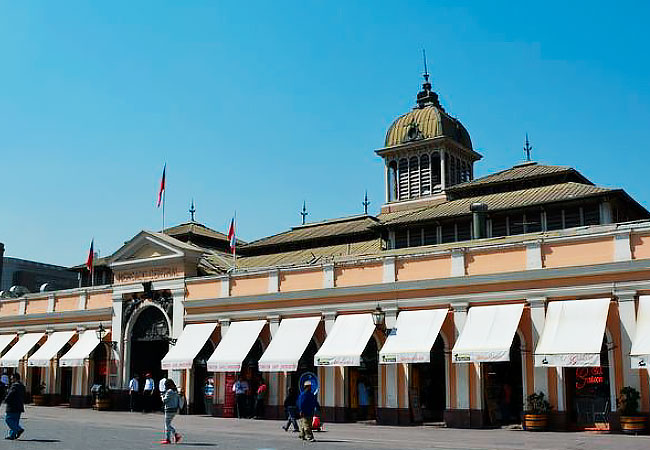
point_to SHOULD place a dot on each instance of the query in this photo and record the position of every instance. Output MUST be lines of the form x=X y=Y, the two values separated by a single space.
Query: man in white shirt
x=240 y=388
x=148 y=394
x=134 y=391
x=161 y=389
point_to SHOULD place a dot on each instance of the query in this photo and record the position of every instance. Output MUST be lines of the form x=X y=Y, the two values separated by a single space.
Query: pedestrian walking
x=161 y=390
x=291 y=410
x=172 y=404
x=15 y=406
x=134 y=392
x=4 y=384
x=147 y=394
x=307 y=405
x=260 y=399
x=208 y=395
x=240 y=388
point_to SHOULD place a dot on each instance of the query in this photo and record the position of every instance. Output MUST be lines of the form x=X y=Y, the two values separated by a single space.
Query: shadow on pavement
x=197 y=444
x=39 y=440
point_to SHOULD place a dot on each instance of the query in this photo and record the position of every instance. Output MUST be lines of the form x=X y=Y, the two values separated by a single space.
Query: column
x=274 y=397
x=443 y=166
x=462 y=370
x=627 y=316
x=121 y=377
x=328 y=393
x=538 y=317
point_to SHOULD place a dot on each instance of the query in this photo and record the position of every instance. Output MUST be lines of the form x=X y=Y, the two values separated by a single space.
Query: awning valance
x=288 y=344
x=16 y=353
x=5 y=340
x=188 y=345
x=413 y=336
x=573 y=333
x=48 y=351
x=640 y=353
x=346 y=341
x=81 y=350
x=488 y=333
x=235 y=345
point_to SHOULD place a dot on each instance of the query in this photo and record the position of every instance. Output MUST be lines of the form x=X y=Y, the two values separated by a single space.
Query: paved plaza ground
x=63 y=428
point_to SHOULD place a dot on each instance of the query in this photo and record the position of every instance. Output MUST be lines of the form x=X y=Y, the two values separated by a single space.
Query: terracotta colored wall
x=249 y=285
x=640 y=246
x=206 y=289
x=578 y=253
x=495 y=261
x=358 y=275
x=69 y=303
x=99 y=300
x=423 y=268
x=8 y=308
x=36 y=306
x=298 y=281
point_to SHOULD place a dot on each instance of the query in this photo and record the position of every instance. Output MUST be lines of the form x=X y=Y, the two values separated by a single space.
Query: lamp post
x=379 y=319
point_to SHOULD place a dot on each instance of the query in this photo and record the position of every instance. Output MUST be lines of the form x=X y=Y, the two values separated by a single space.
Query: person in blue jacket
x=307 y=405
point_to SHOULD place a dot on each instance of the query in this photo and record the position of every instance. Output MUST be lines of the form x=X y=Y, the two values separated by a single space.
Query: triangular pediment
x=148 y=247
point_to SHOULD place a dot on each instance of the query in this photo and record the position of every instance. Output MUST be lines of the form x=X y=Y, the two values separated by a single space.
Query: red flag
x=162 y=186
x=232 y=240
x=91 y=256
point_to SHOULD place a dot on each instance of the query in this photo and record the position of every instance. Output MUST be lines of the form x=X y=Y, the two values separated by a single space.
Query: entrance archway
x=364 y=383
x=200 y=375
x=430 y=381
x=149 y=343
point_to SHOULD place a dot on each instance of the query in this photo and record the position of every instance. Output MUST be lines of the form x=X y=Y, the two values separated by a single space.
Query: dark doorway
x=503 y=388
x=200 y=377
x=305 y=364
x=100 y=365
x=430 y=383
x=364 y=382
x=588 y=394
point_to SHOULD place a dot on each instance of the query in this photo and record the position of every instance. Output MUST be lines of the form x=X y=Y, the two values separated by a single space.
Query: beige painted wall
x=205 y=289
x=67 y=303
x=578 y=253
x=495 y=261
x=99 y=300
x=423 y=268
x=298 y=281
x=358 y=275
x=36 y=306
x=249 y=285
x=640 y=246
x=8 y=308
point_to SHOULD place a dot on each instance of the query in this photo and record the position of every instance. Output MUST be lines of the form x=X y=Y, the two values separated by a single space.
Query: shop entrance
x=305 y=364
x=503 y=388
x=364 y=383
x=588 y=394
x=200 y=378
x=245 y=407
x=430 y=384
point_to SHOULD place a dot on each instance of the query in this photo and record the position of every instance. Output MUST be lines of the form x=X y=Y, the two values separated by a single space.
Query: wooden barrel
x=633 y=424
x=535 y=422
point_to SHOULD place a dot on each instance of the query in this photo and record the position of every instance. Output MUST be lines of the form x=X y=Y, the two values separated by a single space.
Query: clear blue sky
x=257 y=106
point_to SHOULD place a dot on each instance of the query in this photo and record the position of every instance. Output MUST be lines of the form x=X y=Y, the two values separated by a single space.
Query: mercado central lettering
x=460 y=298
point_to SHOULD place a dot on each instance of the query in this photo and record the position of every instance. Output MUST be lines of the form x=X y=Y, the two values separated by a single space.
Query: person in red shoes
x=171 y=402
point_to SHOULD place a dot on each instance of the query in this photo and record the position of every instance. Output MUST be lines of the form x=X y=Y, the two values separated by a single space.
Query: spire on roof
x=527 y=149
x=426 y=97
x=192 y=211
x=304 y=212
x=366 y=202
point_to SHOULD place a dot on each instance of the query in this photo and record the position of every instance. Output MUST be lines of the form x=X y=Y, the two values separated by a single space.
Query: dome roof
x=426 y=122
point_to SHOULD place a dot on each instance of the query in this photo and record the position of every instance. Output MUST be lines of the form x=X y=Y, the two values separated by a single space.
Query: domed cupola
x=426 y=150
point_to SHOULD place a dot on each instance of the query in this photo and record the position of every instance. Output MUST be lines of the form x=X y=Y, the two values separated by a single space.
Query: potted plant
x=632 y=421
x=39 y=397
x=537 y=411
x=102 y=398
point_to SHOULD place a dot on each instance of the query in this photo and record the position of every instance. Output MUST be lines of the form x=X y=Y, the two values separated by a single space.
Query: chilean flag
x=162 y=186
x=91 y=256
x=232 y=240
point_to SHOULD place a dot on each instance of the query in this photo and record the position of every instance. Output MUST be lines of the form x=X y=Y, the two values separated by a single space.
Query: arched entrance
x=429 y=380
x=503 y=388
x=364 y=383
x=149 y=343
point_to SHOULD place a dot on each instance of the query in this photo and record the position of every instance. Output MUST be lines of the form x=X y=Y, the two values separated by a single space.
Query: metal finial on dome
x=366 y=203
x=304 y=212
x=426 y=97
x=527 y=149
x=192 y=211
x=426 y=72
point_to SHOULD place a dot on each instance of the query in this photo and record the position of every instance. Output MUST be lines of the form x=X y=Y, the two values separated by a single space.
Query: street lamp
x=101 y=333
x=379 y=319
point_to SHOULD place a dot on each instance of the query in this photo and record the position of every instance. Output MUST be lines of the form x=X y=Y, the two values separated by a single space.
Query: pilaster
x=458 y=262
x=389 y=270
x=274 y=282
x=50 y=303
x=622 y=248
x=538 y=318
x=533 y=255
x=225 y=286
x=462 y=370
x=627 y=316
x=328 y=276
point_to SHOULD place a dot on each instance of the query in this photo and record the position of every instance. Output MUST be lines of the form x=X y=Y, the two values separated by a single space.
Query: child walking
x=171 y=402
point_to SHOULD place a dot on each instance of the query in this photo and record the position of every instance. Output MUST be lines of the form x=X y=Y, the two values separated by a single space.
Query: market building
x=462 y=297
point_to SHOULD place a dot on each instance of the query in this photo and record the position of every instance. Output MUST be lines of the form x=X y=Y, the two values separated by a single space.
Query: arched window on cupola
x=425 y=175
x=392 y=181
x=452 y=171
x=435 y=171
x=403 y=172
x=414 y=177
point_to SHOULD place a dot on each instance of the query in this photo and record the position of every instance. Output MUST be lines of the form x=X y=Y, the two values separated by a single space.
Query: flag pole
x=163 y=211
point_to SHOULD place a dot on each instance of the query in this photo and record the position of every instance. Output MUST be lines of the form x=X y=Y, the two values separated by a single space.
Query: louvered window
x=533 y=221
x=448 y=233
x=430 y=235
x=435 y=169
x=572 y=217
x=415 y=237
x=516 y=222
x=447 y=164
x=414 y=177
x=499 y=226
x=392 y=181
x=425 y=175
x=554 y=219
x=459 y=171
x=452 y=170
x=401 y=239
x=463 y=231
x=403 y=179
x=591 y=214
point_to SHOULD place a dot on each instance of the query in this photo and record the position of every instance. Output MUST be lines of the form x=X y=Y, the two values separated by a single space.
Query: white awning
x=413 y=336
x=346 y=341
x=288 y=344
x=488 y=333
x=188 y=345
x=48 y=351
x=5 y=340
x=81 y=350
x=573 y=333
x=25 y=343
x=235 y=345
x=640 y=353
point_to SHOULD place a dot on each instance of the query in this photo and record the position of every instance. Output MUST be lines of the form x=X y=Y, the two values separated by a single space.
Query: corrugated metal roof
x=313 y=231
x=503 y=200
x=431 y=122
x=197 y=229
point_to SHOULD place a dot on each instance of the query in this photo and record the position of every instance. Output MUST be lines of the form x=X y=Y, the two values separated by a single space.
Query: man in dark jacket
x=307 y=405
x=15 y=401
